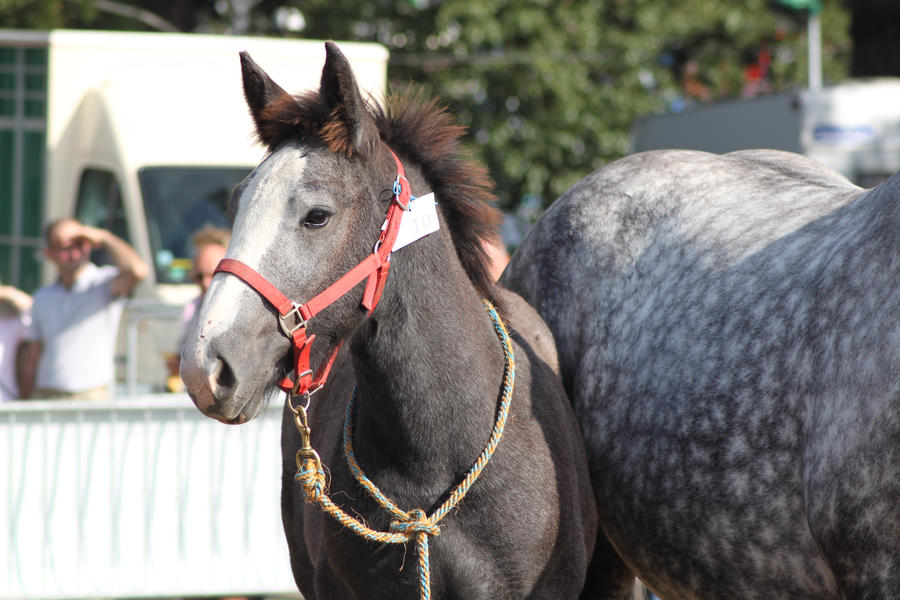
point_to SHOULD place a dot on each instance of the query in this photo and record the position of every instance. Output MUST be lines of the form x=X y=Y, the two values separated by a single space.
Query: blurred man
x=210 y=244
x=497 y=254
x=75 y=319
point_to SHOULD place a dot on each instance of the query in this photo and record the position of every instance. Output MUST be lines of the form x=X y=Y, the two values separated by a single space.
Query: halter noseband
x=293 y=317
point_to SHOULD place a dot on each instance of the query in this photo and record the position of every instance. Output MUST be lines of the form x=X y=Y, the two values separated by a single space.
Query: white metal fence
x=138 y=497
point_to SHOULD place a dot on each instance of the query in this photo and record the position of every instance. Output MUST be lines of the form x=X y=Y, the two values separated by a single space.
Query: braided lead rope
x=415 y=524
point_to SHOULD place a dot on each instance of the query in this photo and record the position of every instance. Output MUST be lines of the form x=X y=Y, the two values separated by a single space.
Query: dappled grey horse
x=728 y=333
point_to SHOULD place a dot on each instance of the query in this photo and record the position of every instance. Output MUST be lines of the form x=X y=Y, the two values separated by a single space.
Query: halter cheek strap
x=293 y=317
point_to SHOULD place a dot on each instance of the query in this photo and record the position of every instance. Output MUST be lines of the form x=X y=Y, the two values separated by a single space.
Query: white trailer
x=853 y=127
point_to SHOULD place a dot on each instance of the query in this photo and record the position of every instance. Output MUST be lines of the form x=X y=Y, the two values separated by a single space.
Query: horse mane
x=422 y=131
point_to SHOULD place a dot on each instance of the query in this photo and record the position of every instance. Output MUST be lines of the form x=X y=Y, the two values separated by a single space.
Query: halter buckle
x=299 y=321
x=296 y=390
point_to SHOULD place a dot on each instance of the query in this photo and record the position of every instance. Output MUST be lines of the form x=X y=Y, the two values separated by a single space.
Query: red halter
x=374 y=267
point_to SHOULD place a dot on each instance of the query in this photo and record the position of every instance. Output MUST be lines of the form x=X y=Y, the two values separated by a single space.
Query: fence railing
x=148 y=332
x=138 y=497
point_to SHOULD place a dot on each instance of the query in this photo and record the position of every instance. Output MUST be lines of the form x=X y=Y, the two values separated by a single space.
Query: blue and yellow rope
x=414 y=524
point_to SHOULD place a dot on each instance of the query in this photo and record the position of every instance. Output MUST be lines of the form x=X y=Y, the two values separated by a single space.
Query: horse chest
x=483 y=551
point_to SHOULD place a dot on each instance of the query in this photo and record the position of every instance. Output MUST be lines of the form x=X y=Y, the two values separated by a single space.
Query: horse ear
x=354 y=129
x=259 y=89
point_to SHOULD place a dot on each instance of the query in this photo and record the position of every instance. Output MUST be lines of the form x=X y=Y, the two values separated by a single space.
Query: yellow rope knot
x=416 y=522
x=311 y=480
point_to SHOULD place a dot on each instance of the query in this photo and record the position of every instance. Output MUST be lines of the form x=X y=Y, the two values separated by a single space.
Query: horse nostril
x=224 y=376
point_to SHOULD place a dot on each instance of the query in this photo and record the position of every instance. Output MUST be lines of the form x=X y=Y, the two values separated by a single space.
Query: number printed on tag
x=420 y=220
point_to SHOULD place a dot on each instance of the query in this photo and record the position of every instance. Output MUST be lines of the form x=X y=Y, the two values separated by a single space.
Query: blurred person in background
x=75 y=319
x=497 y=254
x=14 y=320
x=210 y=244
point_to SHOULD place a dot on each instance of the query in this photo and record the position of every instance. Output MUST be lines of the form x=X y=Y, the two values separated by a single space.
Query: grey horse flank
x=728 y=333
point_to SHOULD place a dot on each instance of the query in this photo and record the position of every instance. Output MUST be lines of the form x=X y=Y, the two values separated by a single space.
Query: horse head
x=305 y=216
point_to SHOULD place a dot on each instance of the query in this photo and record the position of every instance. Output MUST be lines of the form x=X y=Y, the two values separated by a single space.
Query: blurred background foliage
x=547 y=88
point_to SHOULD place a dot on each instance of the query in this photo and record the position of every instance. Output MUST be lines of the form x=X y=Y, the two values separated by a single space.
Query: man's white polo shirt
x=78 y=329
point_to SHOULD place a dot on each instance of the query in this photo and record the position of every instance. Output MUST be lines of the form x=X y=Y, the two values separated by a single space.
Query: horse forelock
x=421 y=131
x=306 y=116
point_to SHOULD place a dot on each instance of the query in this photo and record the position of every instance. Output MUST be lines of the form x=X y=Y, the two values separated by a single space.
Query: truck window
x=177 y=202
x=99 y=204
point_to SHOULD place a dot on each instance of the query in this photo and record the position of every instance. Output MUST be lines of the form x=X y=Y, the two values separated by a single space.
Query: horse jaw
x=214 y=381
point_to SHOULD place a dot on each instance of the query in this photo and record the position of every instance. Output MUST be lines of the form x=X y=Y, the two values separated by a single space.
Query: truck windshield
x=177 y=202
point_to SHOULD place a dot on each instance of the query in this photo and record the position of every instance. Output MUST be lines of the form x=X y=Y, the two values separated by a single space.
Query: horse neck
x=428 y=366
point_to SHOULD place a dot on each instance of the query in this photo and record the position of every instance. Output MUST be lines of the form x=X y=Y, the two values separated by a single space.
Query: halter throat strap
x=293 y=316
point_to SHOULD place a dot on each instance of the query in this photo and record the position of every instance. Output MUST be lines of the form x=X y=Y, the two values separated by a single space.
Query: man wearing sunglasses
x=210 y=244
x=75 y=319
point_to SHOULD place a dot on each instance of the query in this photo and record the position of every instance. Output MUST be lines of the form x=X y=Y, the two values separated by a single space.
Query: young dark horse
x=728 y=331
x=427 y=369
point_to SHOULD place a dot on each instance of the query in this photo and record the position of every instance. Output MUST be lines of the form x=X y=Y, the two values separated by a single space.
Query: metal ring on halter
x=375 y=250
x=300 y=321
x=398 y=189
x=306 y=398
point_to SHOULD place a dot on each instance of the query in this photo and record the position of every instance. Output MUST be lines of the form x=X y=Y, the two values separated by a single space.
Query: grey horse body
x=727 y=334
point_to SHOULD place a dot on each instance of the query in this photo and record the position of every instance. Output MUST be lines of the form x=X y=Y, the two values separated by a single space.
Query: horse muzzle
x=214 y=387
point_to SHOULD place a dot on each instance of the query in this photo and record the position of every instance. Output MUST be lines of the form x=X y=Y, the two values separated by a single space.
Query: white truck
x=144 y=134
x=853 y=127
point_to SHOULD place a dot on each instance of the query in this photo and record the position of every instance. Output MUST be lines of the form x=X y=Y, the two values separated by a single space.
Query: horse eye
x=317 y=217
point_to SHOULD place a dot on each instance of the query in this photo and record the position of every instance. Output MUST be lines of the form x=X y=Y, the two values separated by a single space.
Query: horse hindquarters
x=629 y=290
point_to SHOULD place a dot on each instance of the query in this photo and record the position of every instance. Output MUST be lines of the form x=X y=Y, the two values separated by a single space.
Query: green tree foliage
x=136 y=15
x=548 y=88
x=37 y=14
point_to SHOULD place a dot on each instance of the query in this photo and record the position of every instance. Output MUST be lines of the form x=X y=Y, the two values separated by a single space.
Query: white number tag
x=420 y=220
